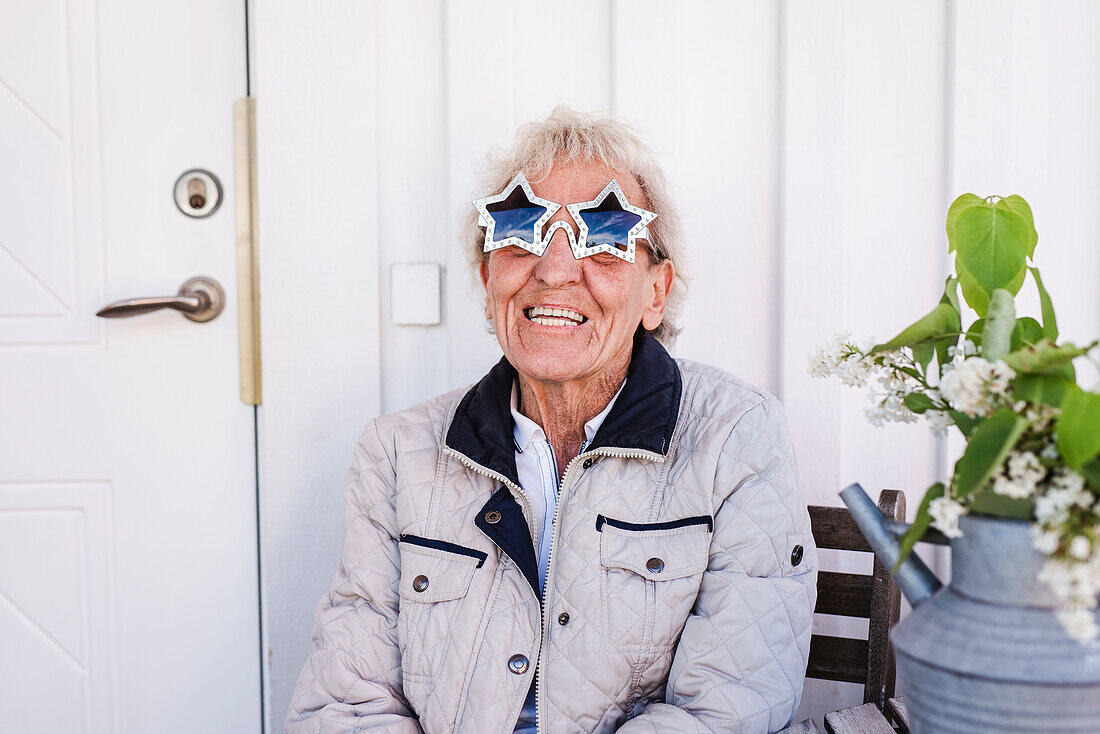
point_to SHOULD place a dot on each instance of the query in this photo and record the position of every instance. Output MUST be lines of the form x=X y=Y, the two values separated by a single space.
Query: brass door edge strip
x=248 y=248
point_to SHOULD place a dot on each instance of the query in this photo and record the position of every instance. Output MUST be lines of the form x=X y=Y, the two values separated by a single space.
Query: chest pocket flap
x=431 y=573
x=657 y=554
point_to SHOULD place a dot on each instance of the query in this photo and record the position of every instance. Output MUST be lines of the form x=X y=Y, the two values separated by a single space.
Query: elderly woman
x=595 y=537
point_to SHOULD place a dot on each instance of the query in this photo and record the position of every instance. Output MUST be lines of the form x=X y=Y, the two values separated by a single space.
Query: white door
x=128 y=568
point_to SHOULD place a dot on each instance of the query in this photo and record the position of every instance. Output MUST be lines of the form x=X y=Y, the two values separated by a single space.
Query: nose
x=557 y=266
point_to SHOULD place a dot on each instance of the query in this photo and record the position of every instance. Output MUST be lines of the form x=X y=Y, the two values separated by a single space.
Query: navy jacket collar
x=643 y=417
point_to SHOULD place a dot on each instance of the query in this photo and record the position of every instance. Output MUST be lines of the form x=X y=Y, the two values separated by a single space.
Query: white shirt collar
x=525 y=430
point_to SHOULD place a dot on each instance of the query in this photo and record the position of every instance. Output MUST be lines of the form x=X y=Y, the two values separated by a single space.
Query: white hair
x=568 y=136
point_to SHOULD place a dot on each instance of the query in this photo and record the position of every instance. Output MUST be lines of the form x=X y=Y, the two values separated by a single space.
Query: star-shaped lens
x=515 y=217
x=609 y=224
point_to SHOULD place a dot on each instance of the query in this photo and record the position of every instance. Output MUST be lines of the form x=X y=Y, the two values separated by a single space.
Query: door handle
x=199 y=299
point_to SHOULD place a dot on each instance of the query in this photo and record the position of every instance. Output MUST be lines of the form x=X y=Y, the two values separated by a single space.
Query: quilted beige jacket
x=680 y=590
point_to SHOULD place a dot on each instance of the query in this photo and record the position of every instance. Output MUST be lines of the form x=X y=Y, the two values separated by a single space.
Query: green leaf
x=977 y=294
x=992 y=242
x=999 y=324
x=918 y=402
x=951 y=294
x=974 y=333
x=1078 y=427
x=967 y=425
x=1050 y=324
x=921 y=523
x=1091 y=470
x=1016 y=204
x=923 y=353
x=1027 y=332
x=957 y=207
x=987 y=449
x=937 y=323
x=1044 y=387
x=1043 y=357
x=951 y=298
x=988 y=502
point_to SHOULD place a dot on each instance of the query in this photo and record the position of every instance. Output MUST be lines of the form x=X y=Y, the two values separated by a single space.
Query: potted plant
x=1013 y=641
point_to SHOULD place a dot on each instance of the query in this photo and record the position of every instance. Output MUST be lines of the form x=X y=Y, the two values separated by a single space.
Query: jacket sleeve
x=741 y=660
x=352 y=680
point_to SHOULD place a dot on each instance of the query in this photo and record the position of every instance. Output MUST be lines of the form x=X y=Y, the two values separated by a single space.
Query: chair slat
x=863 y=719
x=833 y=527
x=837 y=658
x=899 y=713
x=885 y=611
x=846 y=594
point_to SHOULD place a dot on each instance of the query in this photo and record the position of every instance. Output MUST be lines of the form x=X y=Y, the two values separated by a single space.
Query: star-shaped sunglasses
x=608 y=223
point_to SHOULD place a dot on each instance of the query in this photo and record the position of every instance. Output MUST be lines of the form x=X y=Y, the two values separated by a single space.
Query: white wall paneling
x=317 y=128
x=814 y=148
x=1026 y=121
x=863 y=243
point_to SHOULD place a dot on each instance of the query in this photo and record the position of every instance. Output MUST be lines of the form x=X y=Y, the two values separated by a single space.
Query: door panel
x=128 y=569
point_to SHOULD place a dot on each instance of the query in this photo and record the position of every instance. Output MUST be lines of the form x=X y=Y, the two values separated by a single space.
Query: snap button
x=563 y=618
x=655 y=565
x=518 y=664
x=587 y=463
x=796 y=555
x=492 y=517
x=420 y=583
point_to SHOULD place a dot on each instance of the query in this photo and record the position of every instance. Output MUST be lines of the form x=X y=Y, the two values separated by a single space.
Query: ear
x=483 y=270
x=663 y=275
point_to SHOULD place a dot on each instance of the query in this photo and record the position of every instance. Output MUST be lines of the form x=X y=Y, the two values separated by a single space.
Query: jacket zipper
x=545 y=633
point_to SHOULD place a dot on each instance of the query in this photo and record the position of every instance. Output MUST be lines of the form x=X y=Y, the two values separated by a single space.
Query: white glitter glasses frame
x=579 y=245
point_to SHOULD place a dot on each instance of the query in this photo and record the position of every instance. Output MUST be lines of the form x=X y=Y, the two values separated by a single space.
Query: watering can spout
x=914 y=578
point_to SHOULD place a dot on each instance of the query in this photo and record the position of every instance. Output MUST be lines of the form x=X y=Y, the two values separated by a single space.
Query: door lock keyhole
x=198 y=193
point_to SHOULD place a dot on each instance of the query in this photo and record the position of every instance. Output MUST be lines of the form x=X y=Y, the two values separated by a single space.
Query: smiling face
x=559 y=319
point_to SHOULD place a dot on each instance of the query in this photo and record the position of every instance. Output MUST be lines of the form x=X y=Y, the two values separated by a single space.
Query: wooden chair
x=874 y=597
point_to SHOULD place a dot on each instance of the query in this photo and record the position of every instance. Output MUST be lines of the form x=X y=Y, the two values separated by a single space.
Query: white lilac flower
x=964 y=350
x=1040 y=415
x=1020 y=476
x=975 y=384
x=1080 y=548
x=1079 y=623
x=1043 y=540
x=898 y=382
x=945 y=514
x=1065 y=490
x=939 y=421
x=1076 y=585
x=1009 y=487
x=1069 y=480
x=1070 y=581
x=1050 y=452
x=828 y=356
x=890 y=408
x=895 y=358
x=1054 y=574
x=855 y=370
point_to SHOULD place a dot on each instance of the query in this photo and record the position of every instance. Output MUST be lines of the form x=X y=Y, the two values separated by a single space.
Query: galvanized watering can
x=985 y=653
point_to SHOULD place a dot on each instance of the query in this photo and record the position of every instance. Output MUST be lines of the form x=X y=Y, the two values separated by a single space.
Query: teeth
x=553 y=322
x=557 y=316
